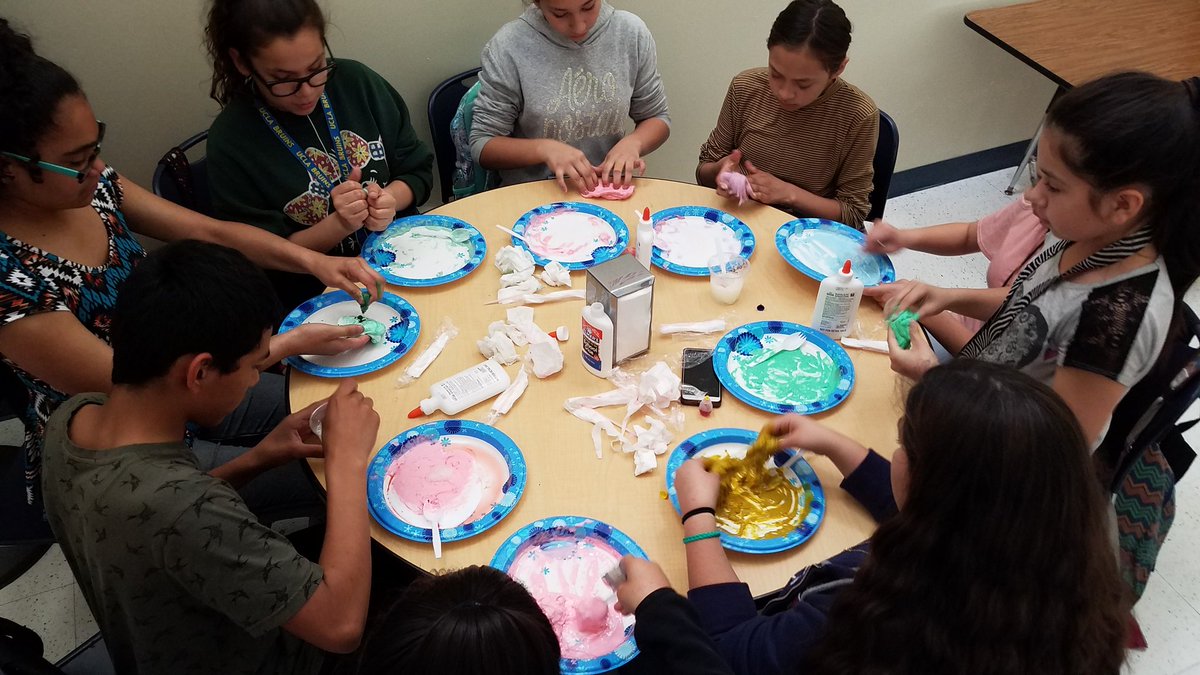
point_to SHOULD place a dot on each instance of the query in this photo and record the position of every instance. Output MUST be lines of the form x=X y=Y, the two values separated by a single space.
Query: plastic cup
x=317 y=419
x=726 y=276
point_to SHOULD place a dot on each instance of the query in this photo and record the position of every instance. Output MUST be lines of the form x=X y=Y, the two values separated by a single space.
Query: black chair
x=443 y=103
x=24 y=534
x=183 y=181
x=886 y=149
x=1150 y=411
x=21 y=653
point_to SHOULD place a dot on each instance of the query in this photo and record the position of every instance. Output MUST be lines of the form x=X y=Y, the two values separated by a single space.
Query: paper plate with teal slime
x=401 y=327
x=818 y=248
x=812 y=379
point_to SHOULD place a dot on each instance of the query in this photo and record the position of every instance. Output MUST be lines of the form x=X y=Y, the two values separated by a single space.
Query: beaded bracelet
x=696 y=512
x=701 y=536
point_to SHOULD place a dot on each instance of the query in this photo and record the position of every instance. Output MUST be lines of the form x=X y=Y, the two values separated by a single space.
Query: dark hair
x=189 y=297
x=1140 y=129
x=31 y=88
x=999 y=562
x=474 y=620
x=820 y=25
x=248 y=25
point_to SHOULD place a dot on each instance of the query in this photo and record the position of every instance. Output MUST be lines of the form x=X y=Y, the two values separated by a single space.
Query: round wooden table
x=565 y=477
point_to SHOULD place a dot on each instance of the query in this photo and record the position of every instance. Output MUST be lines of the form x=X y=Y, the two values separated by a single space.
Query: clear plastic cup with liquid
x=726 y=275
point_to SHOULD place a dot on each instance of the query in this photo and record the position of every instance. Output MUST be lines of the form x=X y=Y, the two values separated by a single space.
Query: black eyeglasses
x=77 y=174
x=291 y=86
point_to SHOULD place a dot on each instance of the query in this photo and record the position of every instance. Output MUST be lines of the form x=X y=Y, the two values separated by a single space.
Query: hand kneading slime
x=755 y=501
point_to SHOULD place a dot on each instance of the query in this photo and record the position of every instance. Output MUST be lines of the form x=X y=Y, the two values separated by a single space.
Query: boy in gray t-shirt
x=180 y=575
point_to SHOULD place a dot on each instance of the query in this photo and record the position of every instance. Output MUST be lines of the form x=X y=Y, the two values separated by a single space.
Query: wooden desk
x=1073 y=41
x=565 y=478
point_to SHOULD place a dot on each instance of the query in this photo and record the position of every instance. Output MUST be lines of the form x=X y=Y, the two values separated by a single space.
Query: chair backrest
x=184 y=181
x=443 y=103
x=886 y=149
x=1150 y=411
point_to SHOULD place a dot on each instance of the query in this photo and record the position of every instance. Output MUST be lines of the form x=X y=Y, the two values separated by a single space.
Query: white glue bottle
x=645 y=238
x=597 y=340
x=837 y=303
x=459 y=392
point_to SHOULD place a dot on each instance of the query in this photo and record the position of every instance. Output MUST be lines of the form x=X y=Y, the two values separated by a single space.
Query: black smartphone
x=699 y=378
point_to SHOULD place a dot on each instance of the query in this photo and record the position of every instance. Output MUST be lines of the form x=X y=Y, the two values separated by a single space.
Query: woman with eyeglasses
x=67 y=222
x=307 y=147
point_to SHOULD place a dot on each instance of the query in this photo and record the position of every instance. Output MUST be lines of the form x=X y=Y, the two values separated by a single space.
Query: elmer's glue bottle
x=459 y=392
x=597 y=340
x=837 y=303
x=644 y=238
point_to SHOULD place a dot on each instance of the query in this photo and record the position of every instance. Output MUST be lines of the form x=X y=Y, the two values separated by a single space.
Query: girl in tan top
x=804 y=137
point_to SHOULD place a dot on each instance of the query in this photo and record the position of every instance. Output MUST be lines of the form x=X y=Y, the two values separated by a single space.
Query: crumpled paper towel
x=504 y=402
x=499 y=347
x=544 y=352
x=513 y=293
x=655 y=390
x=555 y=274
x=511 y=259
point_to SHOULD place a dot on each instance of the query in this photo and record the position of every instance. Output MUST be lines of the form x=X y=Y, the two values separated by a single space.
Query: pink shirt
x=1008 y=238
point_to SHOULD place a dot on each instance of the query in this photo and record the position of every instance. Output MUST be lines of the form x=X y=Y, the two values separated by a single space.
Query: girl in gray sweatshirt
x=556 y=87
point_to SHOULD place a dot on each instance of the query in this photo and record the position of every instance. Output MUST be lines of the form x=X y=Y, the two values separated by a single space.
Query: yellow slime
x=757 y=502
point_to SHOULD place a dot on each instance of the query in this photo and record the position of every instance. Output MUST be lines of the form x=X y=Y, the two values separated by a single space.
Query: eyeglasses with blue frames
x=78 y=174
x=291 y=86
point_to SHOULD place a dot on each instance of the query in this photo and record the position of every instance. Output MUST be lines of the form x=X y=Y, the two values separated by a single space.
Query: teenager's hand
x=622 y=163
x=802 y=433
x=350 y=201
x=291 y=439
x=381 y=208
x=350 y=427
x=642 y=578
x=918 y=358
x=346 y=274
x=766 y=188
x=884 y=238
x=568 y=163
x=920 y=297
x=318 y=338
x=731 y=162
x=696 y=486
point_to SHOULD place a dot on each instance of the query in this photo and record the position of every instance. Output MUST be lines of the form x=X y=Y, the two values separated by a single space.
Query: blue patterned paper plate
x=383 y=260
x=569 y=531
x=740 y=230
x=800 y=474
x=748 y=339
x=510 y=492
x=599 y=255
x=393 y=311
x=882 y=271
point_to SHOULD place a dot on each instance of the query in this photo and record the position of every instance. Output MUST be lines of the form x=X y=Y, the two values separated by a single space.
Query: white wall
x=951 y=91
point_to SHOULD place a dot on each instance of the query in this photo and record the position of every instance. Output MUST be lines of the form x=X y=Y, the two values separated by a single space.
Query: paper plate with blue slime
x=818 y=248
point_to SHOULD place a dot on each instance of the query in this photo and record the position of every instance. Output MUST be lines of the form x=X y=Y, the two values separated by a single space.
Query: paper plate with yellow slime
x=761 y=509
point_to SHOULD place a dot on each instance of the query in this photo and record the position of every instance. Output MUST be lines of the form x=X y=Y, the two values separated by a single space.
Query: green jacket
x=256 y=180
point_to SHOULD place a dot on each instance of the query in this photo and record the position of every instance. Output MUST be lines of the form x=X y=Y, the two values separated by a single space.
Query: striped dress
x=825 y=147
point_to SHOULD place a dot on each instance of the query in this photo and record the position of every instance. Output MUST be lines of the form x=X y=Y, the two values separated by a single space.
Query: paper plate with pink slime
x=469 y=475
x=576 y=234
x=562 y=561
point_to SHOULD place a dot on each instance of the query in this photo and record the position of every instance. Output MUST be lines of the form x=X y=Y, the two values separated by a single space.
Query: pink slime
x=735 y=184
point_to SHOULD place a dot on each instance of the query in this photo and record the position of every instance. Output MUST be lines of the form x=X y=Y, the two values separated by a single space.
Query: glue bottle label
x=591 y=345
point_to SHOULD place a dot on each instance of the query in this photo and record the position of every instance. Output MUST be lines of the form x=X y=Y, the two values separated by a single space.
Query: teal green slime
x=370 y=326
x=789 y=378
x=901 y=324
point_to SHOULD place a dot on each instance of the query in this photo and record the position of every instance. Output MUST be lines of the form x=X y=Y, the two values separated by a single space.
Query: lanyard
x=335 y=133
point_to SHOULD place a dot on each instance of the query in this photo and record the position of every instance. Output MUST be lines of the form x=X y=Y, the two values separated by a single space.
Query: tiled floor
x=47 y=599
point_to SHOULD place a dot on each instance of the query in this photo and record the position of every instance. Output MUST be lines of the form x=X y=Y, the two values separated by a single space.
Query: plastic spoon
x=514 y=234
x=789 y=343
x=454 y=515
